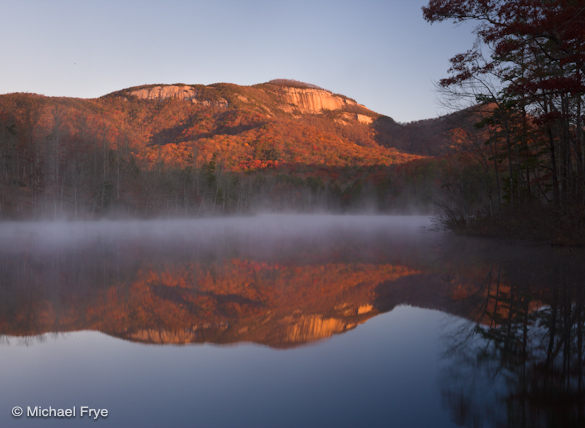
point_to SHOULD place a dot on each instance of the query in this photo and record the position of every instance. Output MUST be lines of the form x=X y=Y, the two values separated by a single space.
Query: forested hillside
x=192 y=149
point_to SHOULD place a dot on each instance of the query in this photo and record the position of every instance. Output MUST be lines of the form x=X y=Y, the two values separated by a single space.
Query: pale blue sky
x=382 y=53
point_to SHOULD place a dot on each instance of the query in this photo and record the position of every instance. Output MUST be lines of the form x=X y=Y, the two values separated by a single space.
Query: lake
x=288 y=321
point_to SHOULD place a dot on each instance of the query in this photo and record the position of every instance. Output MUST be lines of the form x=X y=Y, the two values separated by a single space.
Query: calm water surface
x=288 y=321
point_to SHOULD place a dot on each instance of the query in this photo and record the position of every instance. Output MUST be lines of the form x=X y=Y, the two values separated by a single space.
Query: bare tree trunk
x=580 y=155
x=553 y=161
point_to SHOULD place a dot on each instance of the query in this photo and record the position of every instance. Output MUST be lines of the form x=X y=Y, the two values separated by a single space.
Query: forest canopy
x=528 y=64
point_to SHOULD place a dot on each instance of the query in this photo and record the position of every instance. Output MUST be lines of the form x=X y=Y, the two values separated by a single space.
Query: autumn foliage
x=189 y=149
x=528 y=64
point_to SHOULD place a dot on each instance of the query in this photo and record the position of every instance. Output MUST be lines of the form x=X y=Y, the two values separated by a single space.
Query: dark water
x=288 y=321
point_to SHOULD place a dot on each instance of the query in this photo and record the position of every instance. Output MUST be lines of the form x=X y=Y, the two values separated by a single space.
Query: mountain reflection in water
x=281 y=289
x=515 y=341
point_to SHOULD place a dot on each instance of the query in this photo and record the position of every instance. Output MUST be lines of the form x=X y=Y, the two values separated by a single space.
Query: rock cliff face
x=290 y=99
x=312 y=101
x=165 y=91
x=177 y=92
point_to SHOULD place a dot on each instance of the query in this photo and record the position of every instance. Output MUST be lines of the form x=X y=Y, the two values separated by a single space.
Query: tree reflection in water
x=521 y=363
x=514 y=352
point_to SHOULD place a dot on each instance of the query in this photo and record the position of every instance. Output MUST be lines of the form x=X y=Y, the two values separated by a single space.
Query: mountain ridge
x=190 y=113
x=103 y=149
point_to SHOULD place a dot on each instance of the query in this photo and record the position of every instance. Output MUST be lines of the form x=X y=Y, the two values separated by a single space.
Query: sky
x=380 y=52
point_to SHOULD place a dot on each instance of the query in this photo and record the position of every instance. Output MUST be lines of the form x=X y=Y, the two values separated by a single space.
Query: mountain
x=84 y=154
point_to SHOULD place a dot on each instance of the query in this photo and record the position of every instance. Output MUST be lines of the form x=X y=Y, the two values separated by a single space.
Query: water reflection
x=170 y=283
x=512 y=344
x=525 y=352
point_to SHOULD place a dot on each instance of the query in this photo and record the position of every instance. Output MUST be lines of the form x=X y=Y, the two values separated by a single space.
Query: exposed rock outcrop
x=178 y=92
x=296 y=98
x=312 y=101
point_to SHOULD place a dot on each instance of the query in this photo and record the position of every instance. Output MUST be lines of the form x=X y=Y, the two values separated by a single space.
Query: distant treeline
x=94 y=181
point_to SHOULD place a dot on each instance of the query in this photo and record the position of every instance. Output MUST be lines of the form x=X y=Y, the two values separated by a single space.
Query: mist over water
x=261 y=224
x=242 y=233
x=339 y=320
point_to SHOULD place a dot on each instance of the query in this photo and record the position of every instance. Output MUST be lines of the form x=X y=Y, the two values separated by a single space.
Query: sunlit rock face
x=312 y=100
x=164 y=92
x=362 y=118
x=289 y=99
x=176 y=92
